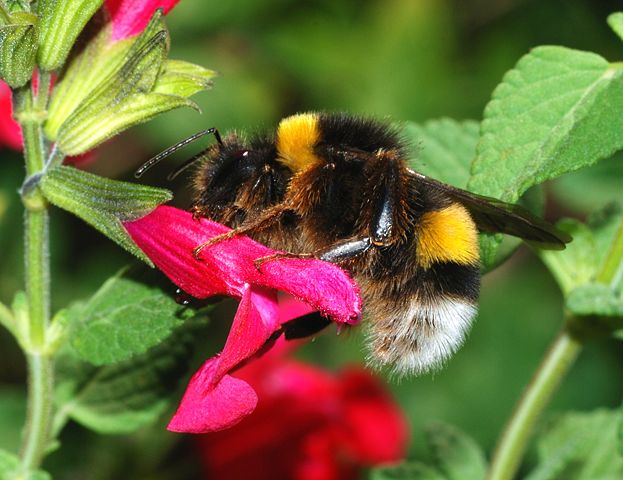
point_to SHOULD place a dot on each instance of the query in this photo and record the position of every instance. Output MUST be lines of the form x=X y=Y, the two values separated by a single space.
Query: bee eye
x=240 y=154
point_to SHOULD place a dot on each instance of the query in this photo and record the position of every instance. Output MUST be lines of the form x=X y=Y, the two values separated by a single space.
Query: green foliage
x=580 y=268
x=10 y=469
x=443 y=149
x=60 y=24
x=18 y=47
x=616 y=23
x=406 y=471
x=101 y=202
x=126 y=317
x=580 y=446
x=454 y=456
x=125 y=396
x=566 y=102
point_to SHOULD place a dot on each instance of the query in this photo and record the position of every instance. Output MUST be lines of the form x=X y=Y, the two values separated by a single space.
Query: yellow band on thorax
x=296 y=137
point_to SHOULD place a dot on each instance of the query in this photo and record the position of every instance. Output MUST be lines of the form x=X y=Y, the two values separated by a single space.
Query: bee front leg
x=270 y=217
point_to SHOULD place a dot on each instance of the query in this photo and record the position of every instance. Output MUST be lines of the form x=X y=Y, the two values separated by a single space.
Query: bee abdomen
x=419 y=336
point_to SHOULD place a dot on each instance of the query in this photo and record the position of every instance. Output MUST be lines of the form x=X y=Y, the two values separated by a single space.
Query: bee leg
x=386 y=187
x=258 y=262
x=346 y=250
x=270 y=217
x=336 y=253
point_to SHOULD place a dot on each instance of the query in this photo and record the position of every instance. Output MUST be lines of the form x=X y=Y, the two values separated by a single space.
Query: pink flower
x=215 y=399
x=130 y=17
x=10 y=131
x=309 y=425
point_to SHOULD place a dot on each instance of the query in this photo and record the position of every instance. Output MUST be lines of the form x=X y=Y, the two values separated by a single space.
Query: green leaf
x=615 y=20
x=555 y=112
x=580 y=446
x=596 y=299
x=583 y=259
x=407 y=471
x=455 y=454
x=101 y=202
x=123 y=397
x=127 y=316
x=61 y=23
x=443 y=149
x=18 y=47
x=10 y=469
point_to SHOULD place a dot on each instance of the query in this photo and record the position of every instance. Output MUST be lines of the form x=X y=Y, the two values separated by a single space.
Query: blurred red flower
x=216 y=398
x=309 y=425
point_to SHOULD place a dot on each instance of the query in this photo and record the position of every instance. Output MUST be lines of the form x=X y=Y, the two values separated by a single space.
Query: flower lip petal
x=205 y=409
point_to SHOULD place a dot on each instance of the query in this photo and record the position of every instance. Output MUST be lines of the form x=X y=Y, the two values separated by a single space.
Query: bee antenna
x=164 y=154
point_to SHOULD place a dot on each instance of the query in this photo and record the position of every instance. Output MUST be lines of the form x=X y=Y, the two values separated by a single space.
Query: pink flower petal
x=206 y=409
x=255 y=322
x=10 y=131
x=130 y=17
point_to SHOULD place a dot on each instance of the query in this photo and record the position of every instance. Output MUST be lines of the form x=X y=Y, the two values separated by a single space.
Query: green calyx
x=18 y=47
x=60 y=25
x=111 y=87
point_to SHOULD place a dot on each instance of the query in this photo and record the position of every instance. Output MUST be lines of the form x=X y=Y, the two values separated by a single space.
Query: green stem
x=37 y=275
x=514 y=440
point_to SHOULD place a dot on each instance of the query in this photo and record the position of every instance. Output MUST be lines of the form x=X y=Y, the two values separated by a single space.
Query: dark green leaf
x=455 y=454
x=407 y=471
x=101 y=202
x=127 y=316
x=61 y=23
x=123 y=397
x=580 y=446
x=555 y=112
x=18 y=46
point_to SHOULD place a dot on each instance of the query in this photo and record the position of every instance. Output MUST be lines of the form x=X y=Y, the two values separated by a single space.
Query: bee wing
x=494 y=216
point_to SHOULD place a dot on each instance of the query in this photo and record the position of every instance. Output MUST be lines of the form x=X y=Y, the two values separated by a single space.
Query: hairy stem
x=37 y=276
x=513 y=442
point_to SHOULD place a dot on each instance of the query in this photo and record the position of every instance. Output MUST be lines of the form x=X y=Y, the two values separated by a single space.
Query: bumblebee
x=337 y=187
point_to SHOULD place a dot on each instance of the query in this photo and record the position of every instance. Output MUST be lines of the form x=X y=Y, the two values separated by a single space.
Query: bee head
x=239 y=176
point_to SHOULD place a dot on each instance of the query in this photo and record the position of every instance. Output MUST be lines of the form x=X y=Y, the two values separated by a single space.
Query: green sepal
x=615 y=20
x=183 y=79
x=110 y=88
x=18 y=47
x=103 y=203
x=60 y=24
x=11 y=469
